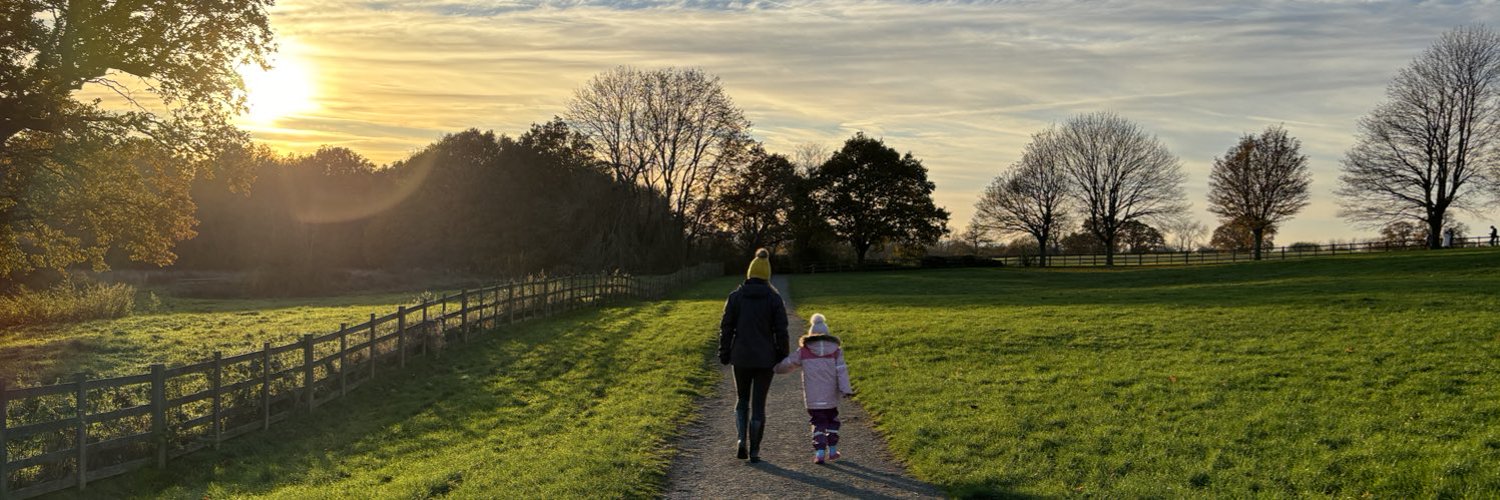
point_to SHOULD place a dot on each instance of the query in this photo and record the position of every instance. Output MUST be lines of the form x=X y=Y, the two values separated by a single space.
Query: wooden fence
x=65 y=435
x=1296 y=251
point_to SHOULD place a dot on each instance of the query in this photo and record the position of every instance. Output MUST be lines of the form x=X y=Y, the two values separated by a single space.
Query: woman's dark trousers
x=751 y=385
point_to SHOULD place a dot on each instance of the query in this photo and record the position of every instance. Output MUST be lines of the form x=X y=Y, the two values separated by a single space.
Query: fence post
x=401 y=335
x=426 y=328
x=265 y=386
x=4 y=457
x=307 y=370
x=218 y=405
x=463 y=314
x=510 y=301
x=83 y=433
x=343 y=359
x=372 y=346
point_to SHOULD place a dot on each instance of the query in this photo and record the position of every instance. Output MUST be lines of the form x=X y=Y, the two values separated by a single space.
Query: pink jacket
x=824 y=375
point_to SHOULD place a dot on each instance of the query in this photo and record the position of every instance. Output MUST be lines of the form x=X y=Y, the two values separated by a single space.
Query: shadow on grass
x=512 y=379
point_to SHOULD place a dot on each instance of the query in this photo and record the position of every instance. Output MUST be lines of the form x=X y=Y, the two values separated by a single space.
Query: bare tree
x=809 y=155
x=1186 y=233
x=673 y=131
x=1029 y=197
x=1434 y=145
x=1260 y=182
x=1117 y=174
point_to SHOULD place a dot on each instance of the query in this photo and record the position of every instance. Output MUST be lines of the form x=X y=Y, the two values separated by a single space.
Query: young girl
x=824 y=378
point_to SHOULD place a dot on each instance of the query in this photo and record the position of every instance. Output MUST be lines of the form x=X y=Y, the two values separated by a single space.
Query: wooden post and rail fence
x=66 y=435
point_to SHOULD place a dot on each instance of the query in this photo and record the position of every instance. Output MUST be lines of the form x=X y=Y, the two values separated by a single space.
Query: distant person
x=1448 y=238
x=753 y=337
x=1494 y=237
x=824 y=379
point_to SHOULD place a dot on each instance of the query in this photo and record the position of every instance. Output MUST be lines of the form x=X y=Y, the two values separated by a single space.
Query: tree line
x=1099 y=184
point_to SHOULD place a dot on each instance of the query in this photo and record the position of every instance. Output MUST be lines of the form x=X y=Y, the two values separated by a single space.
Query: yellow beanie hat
x=761 y=266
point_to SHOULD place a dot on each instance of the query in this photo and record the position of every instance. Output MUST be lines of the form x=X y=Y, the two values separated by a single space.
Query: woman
x=753 y=338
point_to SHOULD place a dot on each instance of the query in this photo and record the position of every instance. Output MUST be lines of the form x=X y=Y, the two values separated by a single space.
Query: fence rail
x=63 y=436
x=1159 y=258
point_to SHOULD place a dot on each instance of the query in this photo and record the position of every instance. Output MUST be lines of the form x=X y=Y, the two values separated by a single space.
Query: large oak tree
x=1118 y=174
x=1434 y=145
x=1029 y=197
x=80 y=174
x=871 y=194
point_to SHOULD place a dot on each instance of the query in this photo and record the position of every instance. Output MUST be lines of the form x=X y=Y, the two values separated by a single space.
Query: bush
x=66 y=302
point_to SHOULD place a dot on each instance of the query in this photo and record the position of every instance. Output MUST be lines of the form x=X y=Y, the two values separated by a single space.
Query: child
x=824 y=378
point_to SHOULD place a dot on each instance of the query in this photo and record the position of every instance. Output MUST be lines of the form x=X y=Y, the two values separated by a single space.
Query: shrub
x=66 y=302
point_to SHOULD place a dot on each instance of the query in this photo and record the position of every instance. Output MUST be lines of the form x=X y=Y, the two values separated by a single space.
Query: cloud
x=962 y=85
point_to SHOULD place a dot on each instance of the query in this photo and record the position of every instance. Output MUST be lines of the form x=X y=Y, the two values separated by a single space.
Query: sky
x=961 y=85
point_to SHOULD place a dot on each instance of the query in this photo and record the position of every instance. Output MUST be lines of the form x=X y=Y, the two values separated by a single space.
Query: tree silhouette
x=870 y=194
x=1118 y=174
x=1261 y=182
x=1434 y=145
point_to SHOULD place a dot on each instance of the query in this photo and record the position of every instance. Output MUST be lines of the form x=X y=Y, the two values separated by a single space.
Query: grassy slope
x=185 y=331
x=1376 y=374
x=580 y=405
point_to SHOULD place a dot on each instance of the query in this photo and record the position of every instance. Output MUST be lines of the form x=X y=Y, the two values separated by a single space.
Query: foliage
x=66 y=302
x=755 y=207
x=1030 y=197
x=580 y=405
x=1236 y=236
x=1118 y=173
x=671 y=131
x=473 y=202
x=171 y=67
x=870 y=194
x=1434 y=145
x=1244 y=380
x=1260 y=182
x=1137 y=237
x=83 y=201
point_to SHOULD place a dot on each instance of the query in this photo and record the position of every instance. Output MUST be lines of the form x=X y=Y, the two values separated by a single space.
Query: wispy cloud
x=960 y=84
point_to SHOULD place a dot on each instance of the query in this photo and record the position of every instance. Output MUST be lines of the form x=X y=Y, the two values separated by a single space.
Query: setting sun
x=285 y=89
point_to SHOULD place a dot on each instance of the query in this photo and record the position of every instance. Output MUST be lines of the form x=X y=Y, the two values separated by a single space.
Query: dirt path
x=705 y=466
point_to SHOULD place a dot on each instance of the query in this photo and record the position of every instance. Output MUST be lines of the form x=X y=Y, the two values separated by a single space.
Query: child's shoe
x=833 y=452
x=818 y=457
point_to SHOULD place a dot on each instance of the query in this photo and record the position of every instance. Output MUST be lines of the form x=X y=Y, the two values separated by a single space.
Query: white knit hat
x=819 y=325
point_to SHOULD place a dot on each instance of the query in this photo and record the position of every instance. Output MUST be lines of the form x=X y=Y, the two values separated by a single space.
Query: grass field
x=183 y=331
x=1348 y=376
x=579 y=405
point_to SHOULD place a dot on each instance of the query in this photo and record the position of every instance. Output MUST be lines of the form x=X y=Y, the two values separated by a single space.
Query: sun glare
x=284 y=90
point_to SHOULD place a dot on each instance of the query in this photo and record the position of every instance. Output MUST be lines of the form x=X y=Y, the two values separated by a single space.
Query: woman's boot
x=757 y=429
x=740 y=416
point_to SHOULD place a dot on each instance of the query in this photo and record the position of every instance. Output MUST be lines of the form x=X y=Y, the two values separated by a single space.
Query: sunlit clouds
x=961 y=85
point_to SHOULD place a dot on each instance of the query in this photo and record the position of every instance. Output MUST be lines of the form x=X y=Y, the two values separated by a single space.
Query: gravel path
x=705 y=466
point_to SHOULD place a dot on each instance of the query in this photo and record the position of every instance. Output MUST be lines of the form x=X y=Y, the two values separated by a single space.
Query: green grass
x=580 y=405
x=183 y=331
x=1332 y=377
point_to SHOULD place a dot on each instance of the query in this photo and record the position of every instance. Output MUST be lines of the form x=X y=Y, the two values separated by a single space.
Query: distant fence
x=60 y=436
x=1294 y=251
x=1157 y=258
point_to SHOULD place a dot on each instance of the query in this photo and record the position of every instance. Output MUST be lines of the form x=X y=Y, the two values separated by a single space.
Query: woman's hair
x=761 y=253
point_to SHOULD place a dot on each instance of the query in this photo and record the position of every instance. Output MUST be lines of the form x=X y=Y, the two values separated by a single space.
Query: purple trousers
x=825 y=427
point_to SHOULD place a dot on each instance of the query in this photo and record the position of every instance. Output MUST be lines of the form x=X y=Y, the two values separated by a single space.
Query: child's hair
x=819 y=325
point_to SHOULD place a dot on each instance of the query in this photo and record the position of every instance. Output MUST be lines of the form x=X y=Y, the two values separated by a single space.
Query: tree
x=1260 y=182
x=1137 y=237
x=673 y=131
x=171 y=66
x=1434 y=145
x=1235 y=236
x=756 y=204
x=1029 y=197
x=1117 y=174
x=974 y=238
x=871 y=194
x=1081 y=243
x=1186 y=232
